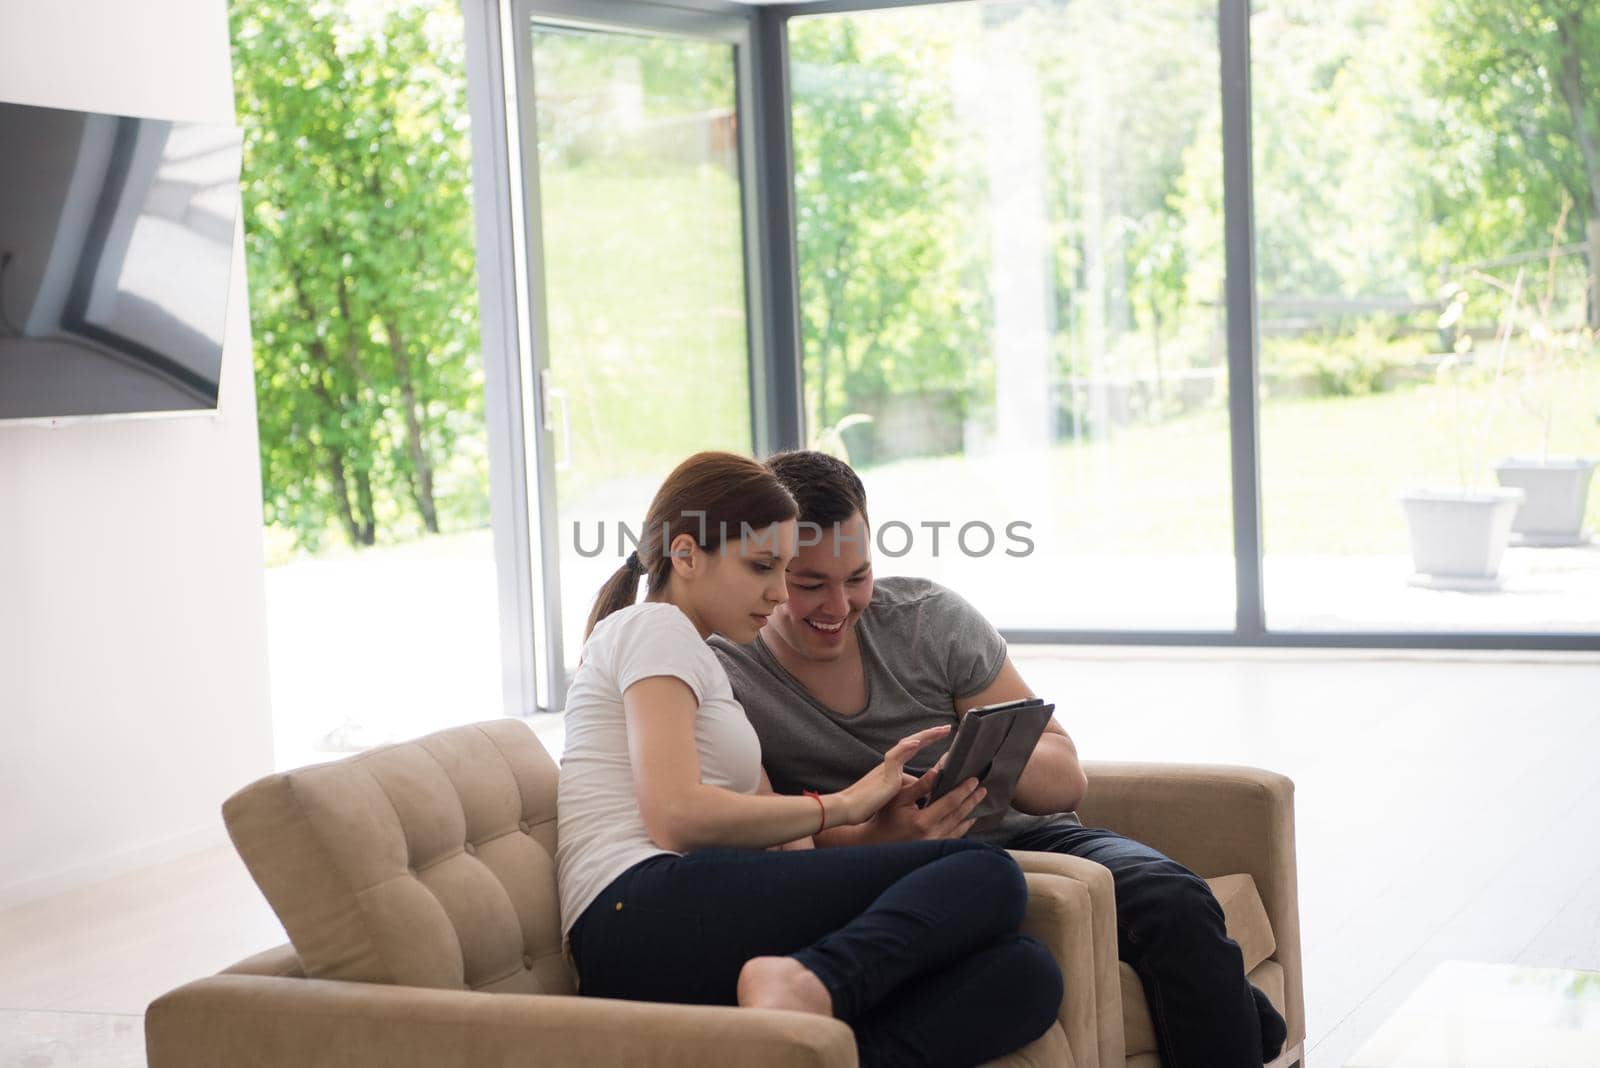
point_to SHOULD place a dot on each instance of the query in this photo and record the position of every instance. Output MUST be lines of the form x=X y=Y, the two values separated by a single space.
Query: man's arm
x=1052 y=780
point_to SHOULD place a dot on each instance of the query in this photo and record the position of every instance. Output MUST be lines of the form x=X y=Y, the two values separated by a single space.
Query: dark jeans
x=1170 y=931
x=917 y=942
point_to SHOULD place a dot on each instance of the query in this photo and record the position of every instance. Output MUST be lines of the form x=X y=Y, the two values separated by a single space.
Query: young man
x=848 y=666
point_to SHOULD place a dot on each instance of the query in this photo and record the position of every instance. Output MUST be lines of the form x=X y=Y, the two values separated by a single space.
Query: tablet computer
x=992 y=745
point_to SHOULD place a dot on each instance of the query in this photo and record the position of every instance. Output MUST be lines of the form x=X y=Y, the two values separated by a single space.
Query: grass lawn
x=1331 y=470
x=1331 y=466
x=647 y=318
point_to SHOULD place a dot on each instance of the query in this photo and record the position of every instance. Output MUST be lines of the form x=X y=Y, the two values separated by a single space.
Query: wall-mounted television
x=116 y=249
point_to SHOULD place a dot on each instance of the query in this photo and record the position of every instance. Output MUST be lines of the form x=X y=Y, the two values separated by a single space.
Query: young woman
x=684 y=879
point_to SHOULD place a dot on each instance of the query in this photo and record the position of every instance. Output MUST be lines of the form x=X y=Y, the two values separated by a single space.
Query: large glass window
x=1010 y=278
x=1426 y=299
x=381 y=592
x=1011 y=304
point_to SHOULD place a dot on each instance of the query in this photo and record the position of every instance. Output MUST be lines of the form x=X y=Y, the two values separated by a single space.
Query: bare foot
x=782 y=983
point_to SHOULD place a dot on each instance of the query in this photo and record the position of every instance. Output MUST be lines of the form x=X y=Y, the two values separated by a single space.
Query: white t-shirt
x=599 y=830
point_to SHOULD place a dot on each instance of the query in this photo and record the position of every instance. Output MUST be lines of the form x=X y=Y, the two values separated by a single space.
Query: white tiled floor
x=1489 y=1015
x=1447 y=809
x=78 y=969
x=58 y=1039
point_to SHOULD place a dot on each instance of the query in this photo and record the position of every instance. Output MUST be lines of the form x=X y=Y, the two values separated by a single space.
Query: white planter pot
x=1556 y=491
x=1458 y=536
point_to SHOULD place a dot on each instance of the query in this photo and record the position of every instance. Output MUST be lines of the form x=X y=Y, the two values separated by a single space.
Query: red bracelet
x=823 y=824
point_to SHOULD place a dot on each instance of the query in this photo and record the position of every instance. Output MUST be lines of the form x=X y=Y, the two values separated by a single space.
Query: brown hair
x=711 y=496
x=825 y=488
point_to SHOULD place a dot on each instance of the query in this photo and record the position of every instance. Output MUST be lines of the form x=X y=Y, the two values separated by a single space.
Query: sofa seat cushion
x=429 y=863
x=1248 y=925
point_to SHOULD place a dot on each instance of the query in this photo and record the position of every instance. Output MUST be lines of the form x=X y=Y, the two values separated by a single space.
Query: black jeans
x=917 y=942
x=1170 y=931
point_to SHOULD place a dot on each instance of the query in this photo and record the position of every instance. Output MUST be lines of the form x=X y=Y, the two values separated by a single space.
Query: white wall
x=133 y=677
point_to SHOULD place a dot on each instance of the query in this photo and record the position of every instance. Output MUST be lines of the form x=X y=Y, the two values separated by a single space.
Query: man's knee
x=1171 y=907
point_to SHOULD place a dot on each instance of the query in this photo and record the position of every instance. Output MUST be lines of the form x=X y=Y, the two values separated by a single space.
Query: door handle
x=549 y=397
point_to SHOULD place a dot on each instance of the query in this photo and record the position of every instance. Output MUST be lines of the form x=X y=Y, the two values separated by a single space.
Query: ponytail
x=620 y=590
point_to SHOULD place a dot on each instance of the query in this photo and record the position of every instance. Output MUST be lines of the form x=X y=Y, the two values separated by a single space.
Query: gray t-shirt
x=922 y=646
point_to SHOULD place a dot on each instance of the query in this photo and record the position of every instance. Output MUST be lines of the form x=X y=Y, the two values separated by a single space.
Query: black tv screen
x=116 y=250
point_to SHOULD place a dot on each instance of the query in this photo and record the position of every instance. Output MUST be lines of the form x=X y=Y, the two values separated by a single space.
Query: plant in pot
x=1459 y=533
x=1555 y=487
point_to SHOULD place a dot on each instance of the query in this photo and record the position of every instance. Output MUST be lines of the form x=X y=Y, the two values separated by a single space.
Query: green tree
x=1347 y=139
x=359 y=242
x=890 y=298
x=1121 y=120
x=1522 y=78
x=1340 y=125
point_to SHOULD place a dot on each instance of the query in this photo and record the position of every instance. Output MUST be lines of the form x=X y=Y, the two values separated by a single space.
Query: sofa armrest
x=1060 y=914
x=1100 y=933
x=1214 y=820
x=242 y=1021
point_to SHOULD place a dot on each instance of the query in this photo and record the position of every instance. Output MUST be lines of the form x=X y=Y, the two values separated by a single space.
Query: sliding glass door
x=642 y=333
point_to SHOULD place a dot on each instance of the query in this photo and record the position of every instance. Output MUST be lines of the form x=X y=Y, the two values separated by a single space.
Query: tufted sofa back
x=430 y=863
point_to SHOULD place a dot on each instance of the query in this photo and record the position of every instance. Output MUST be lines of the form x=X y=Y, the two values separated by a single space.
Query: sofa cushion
x=1267 y=977
x=1246 y=917
x=1248 y=925
x=429 y=863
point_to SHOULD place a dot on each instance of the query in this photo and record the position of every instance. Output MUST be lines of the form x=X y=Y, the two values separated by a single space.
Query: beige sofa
x=1234 y=827
x=417 y=885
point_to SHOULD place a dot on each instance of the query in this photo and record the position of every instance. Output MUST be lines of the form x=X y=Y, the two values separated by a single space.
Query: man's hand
x=902 y=821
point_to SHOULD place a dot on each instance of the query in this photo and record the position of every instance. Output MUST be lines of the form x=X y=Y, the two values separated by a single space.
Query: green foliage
x=640 y=213
x=1511 y=121
x=580 y=75
x=894 y=168
x=1371 y=358
x=1394 y=141
x=1123 y=123
x=1542 y=358
x=888 y=299
x=1340 y=132
x=359 y=245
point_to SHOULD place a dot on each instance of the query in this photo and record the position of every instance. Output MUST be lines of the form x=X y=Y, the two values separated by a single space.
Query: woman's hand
x=862 y=799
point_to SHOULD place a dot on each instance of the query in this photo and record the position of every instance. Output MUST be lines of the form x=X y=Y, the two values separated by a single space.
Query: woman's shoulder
x=652 y=623
x=644 y=616
x=641 y=640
